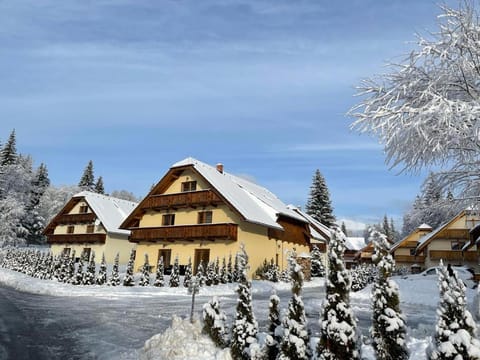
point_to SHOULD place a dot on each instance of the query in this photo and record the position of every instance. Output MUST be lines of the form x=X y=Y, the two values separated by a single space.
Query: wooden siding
x=76 y=218
x=186 y=232
x=410 y=259
x=293 y=231
x=179 y=200
x=453 y=255
x=77 y=238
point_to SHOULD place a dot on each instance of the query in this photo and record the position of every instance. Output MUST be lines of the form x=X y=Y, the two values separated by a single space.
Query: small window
x=412 y=252
x=70 y=229
x=457 y=245
x=205 y=217
x=168 y=219
x=90 y=229
x=83 y=209
x=66 y=251
x=86 y=254
x=189 y=186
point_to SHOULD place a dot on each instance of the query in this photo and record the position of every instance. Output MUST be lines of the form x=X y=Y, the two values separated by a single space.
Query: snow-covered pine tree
x=319 y=205
x=210 y=275
x=70 y=275
x=275 y=330
x=99 y=188
x=87 y=181
x=129 y=280
x=145 y=277
x=8 y=155
x=229 y=269
x=188 y=273
x=64 y=268
x=214 y=322
x=89 y=275
x=159 y=279
x=78 y=278
x=455 y=331
x=216 y=272
x=245 y=326
x=294 y=344
x=175 y=275
x=201 y=274
x=115 y=276
x=102 y=272
x=388 y=329
x=223 y=272
x=337 y=342
x=317 y=268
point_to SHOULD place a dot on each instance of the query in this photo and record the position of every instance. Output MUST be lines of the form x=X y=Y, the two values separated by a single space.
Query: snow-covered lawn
x=419 y=297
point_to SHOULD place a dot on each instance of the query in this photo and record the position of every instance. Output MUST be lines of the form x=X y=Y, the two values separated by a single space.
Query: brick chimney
x=220 y=168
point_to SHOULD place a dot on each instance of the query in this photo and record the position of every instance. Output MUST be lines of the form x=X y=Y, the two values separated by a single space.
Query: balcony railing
x=410 y=259
x=453 y=255
x=76 y=218
x=76 y=238
x=186 y=232
x=187 y=199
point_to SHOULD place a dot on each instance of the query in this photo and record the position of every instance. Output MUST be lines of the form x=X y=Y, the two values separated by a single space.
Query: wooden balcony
x=186 y=232
x=179 y=200
x=453 y=255
x=76 y=238
x=85 y=218
x=410 y=259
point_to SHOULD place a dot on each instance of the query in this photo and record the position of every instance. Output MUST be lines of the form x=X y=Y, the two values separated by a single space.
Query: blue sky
x=261 y=86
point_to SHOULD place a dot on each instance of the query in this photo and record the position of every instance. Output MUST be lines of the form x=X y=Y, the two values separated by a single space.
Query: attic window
x=83 y=209
x=189 y=186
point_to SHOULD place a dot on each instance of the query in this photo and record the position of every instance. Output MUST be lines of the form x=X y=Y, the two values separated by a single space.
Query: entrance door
x=201 y=255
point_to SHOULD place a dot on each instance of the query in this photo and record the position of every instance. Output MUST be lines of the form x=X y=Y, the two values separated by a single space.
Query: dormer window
x=83 y=209
x=189 y=186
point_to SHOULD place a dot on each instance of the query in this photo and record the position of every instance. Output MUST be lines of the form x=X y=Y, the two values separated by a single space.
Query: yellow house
x=201 y=212
x=403 y=251
x=450 y=242
x=90 y=222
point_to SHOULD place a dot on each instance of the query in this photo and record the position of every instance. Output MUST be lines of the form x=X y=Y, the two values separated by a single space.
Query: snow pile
x=183 y=340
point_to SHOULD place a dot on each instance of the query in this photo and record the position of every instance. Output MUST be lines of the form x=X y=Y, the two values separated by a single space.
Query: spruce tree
x=245 y=326
x=319 y=205
x=102 y=272
x=9 y=154
x=188 y=273
x=159 y=279
x=295 y=338
x=337 y=342
x=175 y=275
x=455 y=331
x=87 y=181
x=78 y=278
x=317 y=268
x=115 y=277
x=99 y=188
x=214 y=322
x=145 y=277
x=129 y=279
x=89 y=275
x=275 y=330
x=33 y=222
x=388 y=325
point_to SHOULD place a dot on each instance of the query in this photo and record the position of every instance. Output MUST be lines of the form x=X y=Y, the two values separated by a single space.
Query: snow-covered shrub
x=89 y=275
x=145 y=277
x=210 y=275
x=268 y=271
x=275 y=329
x=159 y=279
x=223 y=272
x=338 y=335
x=102 y=272
x=188 y=273
x=115 y=277
x=229 y=269
x=175 y=275
x=201 y=274
x=317 y=268
x=128 y=280
x=214 y=322
x=388 y=325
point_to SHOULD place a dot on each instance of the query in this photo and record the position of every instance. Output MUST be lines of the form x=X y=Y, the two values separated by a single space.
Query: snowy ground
x=115 y=322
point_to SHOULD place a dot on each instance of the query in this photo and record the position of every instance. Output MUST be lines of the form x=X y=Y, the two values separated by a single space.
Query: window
x=86 y=254
x=66 y=251
x=189 y=186
x=70 y=229
x=457 y=245
x=90 y=229
x=205 y=217
x=83 y=209
x=168 y=219
x=412 y=252
x=202 y=255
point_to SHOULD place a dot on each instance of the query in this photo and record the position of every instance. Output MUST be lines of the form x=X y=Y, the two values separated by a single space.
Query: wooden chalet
x=404 y=251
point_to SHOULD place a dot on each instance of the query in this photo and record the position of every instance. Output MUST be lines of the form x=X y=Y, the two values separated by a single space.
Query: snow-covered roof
x=110 y=211
x=317 y=229
x=254 y=202
x=424 y=227
x=354 y=243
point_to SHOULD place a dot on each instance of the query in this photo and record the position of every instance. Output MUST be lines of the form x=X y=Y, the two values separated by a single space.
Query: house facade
x=452 y=242
x=90 y=222
x=404 y=251
x=200 y=212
